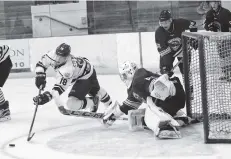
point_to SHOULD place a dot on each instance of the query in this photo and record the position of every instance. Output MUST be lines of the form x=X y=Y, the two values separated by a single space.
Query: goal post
x=207 y=78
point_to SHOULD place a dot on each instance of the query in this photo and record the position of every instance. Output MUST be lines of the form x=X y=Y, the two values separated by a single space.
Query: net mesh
x=216 y=63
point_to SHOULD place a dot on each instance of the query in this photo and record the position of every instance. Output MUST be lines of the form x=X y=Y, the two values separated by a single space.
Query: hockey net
x=207 y=73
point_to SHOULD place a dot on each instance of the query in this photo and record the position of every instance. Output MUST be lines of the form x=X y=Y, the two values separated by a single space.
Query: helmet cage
x=127 y=71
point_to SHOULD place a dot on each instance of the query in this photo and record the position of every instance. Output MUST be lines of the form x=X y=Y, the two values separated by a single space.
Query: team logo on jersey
x=67 y=74
x=175 y=43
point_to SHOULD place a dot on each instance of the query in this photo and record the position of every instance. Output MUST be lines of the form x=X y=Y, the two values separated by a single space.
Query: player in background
x=77 y=72
x=218 y=19
x=5 y=67
x=168 y=40
x=164 y=98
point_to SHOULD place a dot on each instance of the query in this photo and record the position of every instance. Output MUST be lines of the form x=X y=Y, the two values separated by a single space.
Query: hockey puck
x=12 y=145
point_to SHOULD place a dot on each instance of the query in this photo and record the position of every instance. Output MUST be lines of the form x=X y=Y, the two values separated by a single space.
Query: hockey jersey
x=169 y=42
x=75 y=68
x=142 y=85
x=4 y=52
x=221 y=20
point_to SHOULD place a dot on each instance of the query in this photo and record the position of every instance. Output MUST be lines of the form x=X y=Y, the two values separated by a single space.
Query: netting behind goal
x=207 y=68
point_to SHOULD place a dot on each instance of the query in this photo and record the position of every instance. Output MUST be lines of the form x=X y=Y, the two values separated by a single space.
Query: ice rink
x=65 y=137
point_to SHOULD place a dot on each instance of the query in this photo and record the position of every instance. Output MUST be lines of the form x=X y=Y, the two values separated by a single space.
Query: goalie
x=164 y=97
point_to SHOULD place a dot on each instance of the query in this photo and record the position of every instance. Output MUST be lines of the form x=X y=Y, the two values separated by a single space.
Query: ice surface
x=58 y=136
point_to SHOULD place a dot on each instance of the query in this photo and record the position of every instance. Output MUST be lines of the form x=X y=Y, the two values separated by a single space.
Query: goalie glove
x=111 y=114
x=40 y=80
x=42 y=98
x=163 y=88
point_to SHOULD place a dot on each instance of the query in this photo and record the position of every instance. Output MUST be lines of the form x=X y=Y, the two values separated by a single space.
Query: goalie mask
x=127 y=71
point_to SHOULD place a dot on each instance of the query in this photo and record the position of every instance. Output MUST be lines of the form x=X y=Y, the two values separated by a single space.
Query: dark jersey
x=142 y=84
x=221 y=20
x=169 y=42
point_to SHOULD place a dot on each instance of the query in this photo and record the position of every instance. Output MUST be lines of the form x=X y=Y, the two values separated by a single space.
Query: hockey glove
x=214 y=27
x=40 y=80
x=42 y=98
x=111 y=114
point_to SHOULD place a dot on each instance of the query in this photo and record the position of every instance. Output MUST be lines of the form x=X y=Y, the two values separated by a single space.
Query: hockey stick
x=181 y=60
x=35 y=112
x=177 y=64
x=84 y=114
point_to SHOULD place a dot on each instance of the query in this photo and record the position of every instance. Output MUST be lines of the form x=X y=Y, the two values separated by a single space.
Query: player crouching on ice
x=76 y=71
x=164 y=97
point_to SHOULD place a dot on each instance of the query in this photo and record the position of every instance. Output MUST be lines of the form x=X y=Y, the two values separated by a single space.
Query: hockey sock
x=2 y=99
x=106 y=99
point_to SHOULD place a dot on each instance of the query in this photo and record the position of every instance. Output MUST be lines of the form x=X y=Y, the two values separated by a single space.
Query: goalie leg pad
x=167 y=131
x=136 y=119
x=153 y=120
x=160 y=113
x=162 y=124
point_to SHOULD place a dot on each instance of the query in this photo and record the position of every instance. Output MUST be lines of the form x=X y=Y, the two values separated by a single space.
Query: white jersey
x=4 y=52
x=75 y=68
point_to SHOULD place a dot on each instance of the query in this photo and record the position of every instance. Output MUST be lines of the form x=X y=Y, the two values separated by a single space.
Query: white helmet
x=127 y=71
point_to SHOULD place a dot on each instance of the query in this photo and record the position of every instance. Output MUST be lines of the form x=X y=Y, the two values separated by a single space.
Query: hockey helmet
x=62 y=52
x=214 y=1
x=127 y=71
x=165 y=15
x=215 y=5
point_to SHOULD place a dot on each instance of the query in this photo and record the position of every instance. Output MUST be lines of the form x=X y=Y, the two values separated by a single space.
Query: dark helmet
x=63 y=50
x=165 y=15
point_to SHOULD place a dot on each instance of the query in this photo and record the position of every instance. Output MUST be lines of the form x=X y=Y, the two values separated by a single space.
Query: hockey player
x=218 y=19
x=5 y=67
x=163 y=96
x=76 y=71
x=168 y=40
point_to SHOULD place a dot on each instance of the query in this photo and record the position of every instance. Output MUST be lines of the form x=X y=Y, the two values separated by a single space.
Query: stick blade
x=30 y=137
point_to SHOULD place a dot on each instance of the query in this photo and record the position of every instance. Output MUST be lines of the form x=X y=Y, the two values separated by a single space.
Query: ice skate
x=4 y=112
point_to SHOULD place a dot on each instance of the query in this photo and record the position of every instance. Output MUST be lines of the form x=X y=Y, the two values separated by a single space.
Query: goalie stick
x=35 y=112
